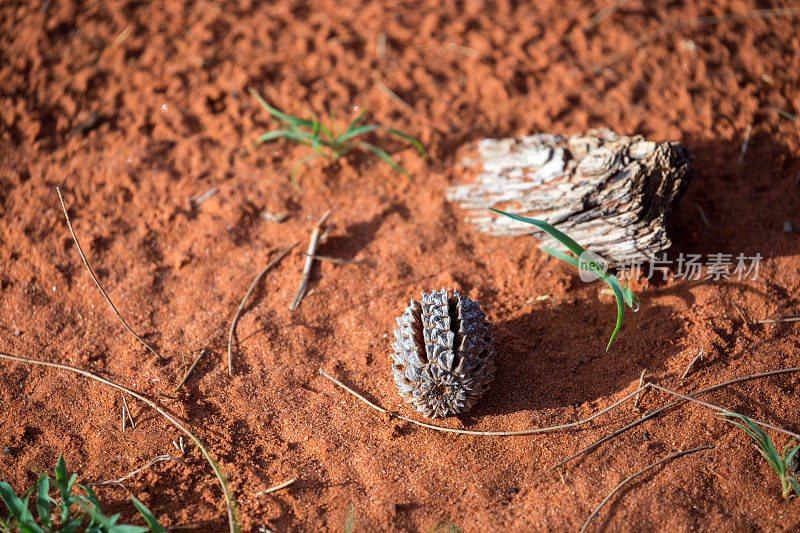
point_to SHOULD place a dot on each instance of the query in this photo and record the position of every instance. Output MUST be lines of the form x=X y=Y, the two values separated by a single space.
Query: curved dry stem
x=239 y=310
x=230 y=500
x=671 y=405
x=276 y=487
x=642 y=471
x=97 y=282
x=483 y=433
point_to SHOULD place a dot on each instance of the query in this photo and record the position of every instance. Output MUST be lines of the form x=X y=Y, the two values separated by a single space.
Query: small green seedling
x=73 y=512
x=325 y=141
x=584 y=261
x=764 y=445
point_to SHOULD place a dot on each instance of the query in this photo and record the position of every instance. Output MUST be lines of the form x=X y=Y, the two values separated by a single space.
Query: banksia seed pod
x=444 y=354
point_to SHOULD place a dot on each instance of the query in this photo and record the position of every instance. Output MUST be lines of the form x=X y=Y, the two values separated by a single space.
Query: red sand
x=169 y=82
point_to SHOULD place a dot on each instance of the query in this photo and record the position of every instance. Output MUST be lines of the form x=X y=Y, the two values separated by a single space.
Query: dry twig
x=230 y=500
x=698 y=357
x=660 y=410
x=723 y=410
x=779 y=319
x=702 y=214
x=642 y=471
x=312 y=249
x=276 y=487
x=339 y=261
x=91 y=272
x=745 y=143
x=191 y=369
x=641 y=382
x=393 y=96
x=165 y=457
x=741 y=313
x=484 y=433
x=126 y=410
x=239 y=310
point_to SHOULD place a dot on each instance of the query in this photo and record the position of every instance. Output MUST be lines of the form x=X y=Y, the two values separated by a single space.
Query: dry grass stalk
x=483 y=433
x=640 y=472
x=696 y=358
x=97 y=282
x=312 y=250
x=189 y=372
x=230 y=500
x=165 y=457
x=660 y=410
x=276 y=487
x=250 y=289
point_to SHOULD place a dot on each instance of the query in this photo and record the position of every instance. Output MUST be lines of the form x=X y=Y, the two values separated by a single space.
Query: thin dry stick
x=393 y=96
x=603 y=14
x=702 y=21
x=640 y=472
x=779 y=319
x=126 y=409
x=696 y=358
x=660 y=410
x=191 y=369
x=484 y=433
x=641 y=382
x=741 y=313
x=250 y=289
x=312 y=249
x=745 y=143
x=97 y=282
x=276 y=487
x=165 y=457
x=703 y=216
x=723 y=410
x=339 y=261
x=123 y=418
x=230 y=501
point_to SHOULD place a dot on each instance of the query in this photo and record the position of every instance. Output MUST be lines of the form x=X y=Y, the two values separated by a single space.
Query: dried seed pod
x=444 y=354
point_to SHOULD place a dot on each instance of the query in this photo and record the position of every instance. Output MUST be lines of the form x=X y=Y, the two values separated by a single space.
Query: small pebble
x=787 y=226
x=274 y=217
x=17 y=333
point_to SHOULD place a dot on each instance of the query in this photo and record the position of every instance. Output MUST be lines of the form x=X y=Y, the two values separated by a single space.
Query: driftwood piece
x=609 y=192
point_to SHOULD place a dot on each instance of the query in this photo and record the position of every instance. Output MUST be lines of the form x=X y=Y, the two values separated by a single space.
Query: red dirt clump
x=168 y=84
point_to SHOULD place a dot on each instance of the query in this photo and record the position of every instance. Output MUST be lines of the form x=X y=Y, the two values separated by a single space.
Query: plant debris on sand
x=168 y=81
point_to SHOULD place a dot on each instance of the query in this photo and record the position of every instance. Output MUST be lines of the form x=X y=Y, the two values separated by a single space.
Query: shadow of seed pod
x=444 y=354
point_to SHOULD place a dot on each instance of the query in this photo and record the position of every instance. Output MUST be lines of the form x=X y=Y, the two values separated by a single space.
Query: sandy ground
x=168 y=84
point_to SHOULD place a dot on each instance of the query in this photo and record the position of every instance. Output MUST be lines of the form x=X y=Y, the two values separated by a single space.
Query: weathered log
x=609 y=192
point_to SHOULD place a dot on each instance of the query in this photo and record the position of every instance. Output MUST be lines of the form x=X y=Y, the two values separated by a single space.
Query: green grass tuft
x=325 y=141
x=764 y=445
x=623 y=294
x=69 y=513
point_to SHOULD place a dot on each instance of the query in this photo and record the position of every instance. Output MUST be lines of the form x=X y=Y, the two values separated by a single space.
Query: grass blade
x=412 y=140
x=13 y=502
x=386 y=157
x=297 y=136
x=42 y=501
x=296 y=168
x=623 y=296
x=356 y=121
x=277 y=113
x=569 y=259
x=560 y=236
x=615 y=286
x=795 y=485
x=155 y=527
x=349 y=134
